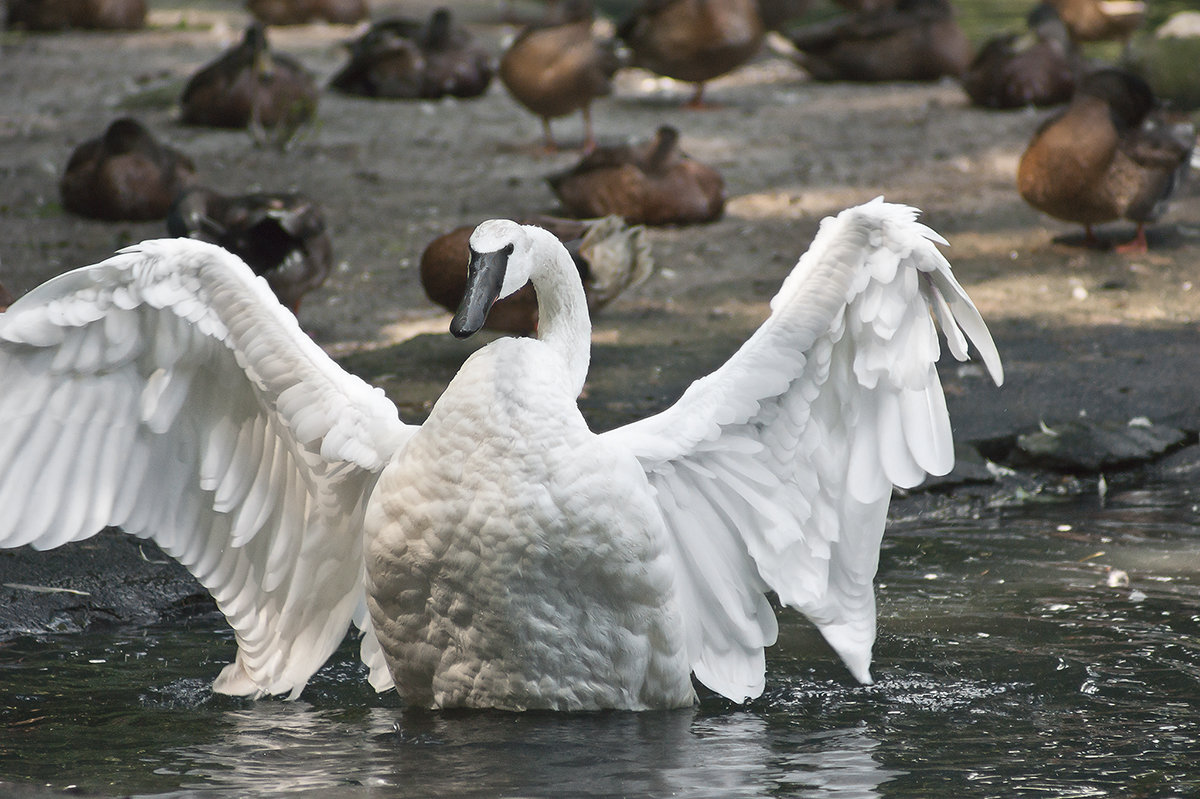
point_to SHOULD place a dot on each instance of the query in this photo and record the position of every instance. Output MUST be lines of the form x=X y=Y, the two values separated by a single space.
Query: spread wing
x=166 y=391
x=775 y=471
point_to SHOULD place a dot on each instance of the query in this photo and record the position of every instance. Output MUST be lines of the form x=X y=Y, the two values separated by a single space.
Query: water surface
x=1048 y=650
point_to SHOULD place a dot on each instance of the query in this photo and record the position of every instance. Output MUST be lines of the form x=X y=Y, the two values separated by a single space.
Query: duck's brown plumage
x=406 y=59
x=914 y=40
x=6 y=299
x=47 y=15
x=281 y=236
x=248 y=85
x=124 y=174
x=1111 y=154
x=610 y=255
x=300 y=12
x=693 y=40
x=557 y=66
x=1038 y=67
x=1098 y=20
x=651 y=183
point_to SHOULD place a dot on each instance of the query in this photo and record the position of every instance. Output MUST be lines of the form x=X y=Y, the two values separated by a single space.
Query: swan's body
x=508 y=556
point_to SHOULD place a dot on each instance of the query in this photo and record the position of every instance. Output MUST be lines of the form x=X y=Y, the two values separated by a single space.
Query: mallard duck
x=281 y=236
x=1036 y=68
x=610 y=255
x=651 y=183
x=693 y=40
x=914 y=40
x=249 y=86
x=558 y=66
x=47 y=15
x=1110 y=155
x=124 y=174
x=401 y=58
x=1097 y=20
x=300 y=12
x=500 y=554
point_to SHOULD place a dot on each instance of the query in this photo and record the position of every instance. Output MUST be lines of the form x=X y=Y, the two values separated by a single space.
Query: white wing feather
x=167 y=392
x=775 y=472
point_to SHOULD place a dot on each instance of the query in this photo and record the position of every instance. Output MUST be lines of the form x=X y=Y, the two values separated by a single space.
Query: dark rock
x=1086 y=445
x=110 y=579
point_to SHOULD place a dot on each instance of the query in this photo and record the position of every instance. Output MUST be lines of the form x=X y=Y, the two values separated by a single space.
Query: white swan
x=510 y=557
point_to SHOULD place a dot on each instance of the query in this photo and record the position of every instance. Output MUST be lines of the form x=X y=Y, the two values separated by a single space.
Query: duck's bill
x=485 y=276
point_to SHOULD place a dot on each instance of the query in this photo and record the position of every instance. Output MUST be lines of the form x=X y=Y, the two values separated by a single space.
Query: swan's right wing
x=775 y=472
x=166 y=391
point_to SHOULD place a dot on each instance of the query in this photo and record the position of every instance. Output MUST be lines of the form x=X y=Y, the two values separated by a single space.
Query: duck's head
x=499 y=265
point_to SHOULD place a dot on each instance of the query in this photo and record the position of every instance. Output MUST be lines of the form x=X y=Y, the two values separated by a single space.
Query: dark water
x=1049 y=650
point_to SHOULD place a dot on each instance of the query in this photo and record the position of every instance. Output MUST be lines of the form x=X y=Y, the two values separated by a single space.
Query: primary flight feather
x=501 y=554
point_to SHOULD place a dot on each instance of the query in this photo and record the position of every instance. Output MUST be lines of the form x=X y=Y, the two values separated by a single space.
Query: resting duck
x=51 y=15
x=693 y=40
x=401 y=58
x=500 y=554
x=281 y=236
x=650 y=183
x=1110 y=155
x=249 y=86
x=125 y=174
x=300 y=12
x=914 y=40
x=1098 y=20
x=610 y=255
x=1036 y=68
x=557 y=67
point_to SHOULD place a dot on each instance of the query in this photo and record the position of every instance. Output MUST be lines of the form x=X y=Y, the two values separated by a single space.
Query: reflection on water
x=1048 y=650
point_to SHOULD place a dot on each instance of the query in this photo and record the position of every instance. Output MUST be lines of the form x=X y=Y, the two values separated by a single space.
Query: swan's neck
x=563 y=321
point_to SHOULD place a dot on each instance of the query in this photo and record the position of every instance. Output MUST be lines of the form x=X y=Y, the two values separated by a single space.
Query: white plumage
x=501 y=553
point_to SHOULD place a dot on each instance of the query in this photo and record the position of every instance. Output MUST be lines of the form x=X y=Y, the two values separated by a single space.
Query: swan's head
x=500 y=265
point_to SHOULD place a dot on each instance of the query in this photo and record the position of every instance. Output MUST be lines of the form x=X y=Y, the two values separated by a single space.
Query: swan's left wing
x=775 y=472
x=166 y=391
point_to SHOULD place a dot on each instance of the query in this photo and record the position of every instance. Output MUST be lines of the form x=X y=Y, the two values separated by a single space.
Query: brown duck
x=1111 y=154
x=693 y=40
x=610 y=255
x=124 y=174
x=1038 y=67
x=914 y=40
x=281 y=236
x=249 y=86
x=49 y=15
x=651 y=183
x=406 y=59
x=300 y=12
x=1099 y=20
x=557 y=66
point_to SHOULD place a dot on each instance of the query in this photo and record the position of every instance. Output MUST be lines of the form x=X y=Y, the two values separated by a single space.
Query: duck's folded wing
x=167 y=392
x=775 y=472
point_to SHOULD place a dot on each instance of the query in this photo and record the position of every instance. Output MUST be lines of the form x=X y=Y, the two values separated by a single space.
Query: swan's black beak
x=485 y=276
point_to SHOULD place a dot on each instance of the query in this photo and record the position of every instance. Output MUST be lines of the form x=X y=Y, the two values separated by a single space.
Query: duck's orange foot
x=1135 y=246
